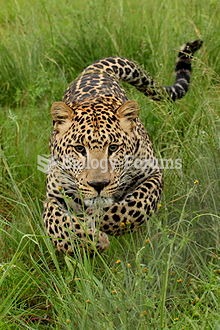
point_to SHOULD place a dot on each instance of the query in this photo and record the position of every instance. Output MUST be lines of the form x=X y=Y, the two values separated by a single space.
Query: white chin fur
x=98 y=201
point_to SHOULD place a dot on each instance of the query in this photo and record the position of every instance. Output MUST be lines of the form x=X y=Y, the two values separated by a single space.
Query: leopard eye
x=112 y=148
x=80 y=149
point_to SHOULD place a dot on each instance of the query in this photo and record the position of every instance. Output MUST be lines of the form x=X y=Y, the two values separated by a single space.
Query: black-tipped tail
x=183 y=71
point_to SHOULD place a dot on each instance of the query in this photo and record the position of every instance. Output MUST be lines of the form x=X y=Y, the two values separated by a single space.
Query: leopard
x=103 y=178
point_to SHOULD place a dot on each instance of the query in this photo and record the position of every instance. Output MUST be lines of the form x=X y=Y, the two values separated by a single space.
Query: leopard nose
x=98 y=185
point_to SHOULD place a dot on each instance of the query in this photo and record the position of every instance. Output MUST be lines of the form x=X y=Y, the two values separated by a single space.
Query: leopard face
x=90 y=144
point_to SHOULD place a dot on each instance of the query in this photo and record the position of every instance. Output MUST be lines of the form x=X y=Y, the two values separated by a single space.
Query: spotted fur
x=96 y=123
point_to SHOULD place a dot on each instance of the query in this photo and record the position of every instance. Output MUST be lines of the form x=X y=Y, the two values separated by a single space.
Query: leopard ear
x=129 y=110
x=62 y=116
x=127 y=113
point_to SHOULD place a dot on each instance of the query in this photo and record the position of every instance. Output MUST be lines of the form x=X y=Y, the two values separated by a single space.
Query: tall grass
x=165 y=276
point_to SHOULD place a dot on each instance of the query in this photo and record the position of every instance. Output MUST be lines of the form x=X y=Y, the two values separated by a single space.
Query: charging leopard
x=104 y=179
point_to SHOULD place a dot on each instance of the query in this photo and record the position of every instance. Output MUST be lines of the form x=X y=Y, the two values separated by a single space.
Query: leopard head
x=90 y=143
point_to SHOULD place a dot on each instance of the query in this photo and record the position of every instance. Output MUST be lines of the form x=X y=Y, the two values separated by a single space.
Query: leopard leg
x=67 y=231
x=134 y=209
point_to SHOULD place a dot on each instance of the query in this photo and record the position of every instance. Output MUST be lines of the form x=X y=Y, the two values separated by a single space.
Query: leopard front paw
x=96 y=240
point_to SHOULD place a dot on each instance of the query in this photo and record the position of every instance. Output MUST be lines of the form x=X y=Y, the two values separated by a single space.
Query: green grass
x=165 y=276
